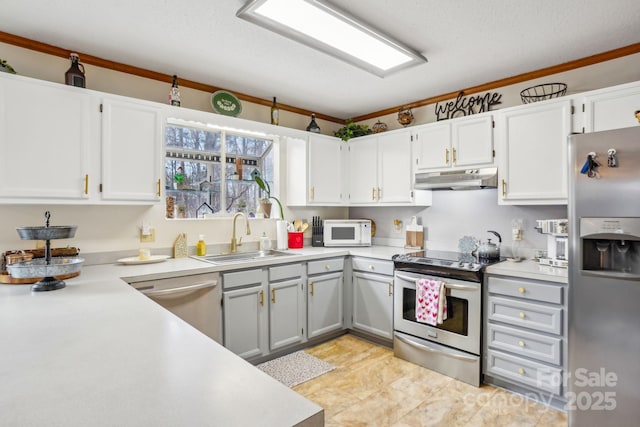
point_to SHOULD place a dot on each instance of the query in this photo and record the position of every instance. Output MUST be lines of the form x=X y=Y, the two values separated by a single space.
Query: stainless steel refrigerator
x=604 y=279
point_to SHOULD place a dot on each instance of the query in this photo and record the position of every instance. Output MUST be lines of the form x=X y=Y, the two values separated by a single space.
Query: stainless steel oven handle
x=180 y=289
x=433 y=350
x=446 y=285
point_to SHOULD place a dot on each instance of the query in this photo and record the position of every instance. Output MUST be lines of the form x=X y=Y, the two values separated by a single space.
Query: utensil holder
x=296 y=239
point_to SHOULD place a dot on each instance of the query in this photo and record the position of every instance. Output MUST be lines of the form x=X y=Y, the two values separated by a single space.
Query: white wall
x=458 y=213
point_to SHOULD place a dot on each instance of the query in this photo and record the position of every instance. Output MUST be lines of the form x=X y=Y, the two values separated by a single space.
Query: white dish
x=135 y=260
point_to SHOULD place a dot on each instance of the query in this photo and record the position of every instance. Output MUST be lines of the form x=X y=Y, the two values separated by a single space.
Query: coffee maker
x=557 y=242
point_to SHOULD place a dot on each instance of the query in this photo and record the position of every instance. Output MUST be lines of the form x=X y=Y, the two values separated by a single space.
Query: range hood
x=469 y=179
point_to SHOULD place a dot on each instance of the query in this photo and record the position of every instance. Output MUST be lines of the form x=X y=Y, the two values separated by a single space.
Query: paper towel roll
x=281 y=235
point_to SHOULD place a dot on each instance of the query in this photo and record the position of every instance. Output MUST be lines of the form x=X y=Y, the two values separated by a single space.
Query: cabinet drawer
x=525 y=314
x=536 y=346
x=242 y=278
x=283 y=272
x=373 y=265
x=325 y=265
x=524 y=371
x=526 y=289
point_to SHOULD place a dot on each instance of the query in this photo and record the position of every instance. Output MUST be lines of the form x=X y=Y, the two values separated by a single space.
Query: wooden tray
x=7 y=279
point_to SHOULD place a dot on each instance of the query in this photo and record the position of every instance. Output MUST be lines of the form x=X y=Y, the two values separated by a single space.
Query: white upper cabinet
x=325 y=170
x=45 y=138
x=611 y=108
x=532 y=146
x=465 y=142
x=131 y=150
x=380 y=171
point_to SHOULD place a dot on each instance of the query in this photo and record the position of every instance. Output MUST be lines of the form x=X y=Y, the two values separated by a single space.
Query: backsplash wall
x=454 y=214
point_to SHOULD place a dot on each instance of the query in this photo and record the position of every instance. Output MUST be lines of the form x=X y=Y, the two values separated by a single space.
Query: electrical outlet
x=148 y=238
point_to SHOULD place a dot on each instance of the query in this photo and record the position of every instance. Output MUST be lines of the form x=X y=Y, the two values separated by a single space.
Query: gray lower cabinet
x=325 y=283
x=372 y=282
x=286 y=305
x=245 y=313
x=525 y=336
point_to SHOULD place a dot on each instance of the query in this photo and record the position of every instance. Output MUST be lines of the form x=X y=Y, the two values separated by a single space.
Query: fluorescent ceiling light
x=326 y=28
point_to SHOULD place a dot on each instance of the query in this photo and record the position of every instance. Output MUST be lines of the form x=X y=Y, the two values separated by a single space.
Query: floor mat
x=295 y=368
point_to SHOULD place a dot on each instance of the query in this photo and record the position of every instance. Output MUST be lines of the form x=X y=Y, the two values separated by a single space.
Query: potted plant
x=352 y=130
x=265 y=202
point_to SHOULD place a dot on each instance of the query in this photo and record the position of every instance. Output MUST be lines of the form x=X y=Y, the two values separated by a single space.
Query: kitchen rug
x=295 y=368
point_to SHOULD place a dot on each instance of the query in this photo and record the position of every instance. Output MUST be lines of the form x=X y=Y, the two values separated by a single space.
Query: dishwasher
x=196 y=299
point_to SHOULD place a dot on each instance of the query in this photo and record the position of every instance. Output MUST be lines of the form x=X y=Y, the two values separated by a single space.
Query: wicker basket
x=542 y=92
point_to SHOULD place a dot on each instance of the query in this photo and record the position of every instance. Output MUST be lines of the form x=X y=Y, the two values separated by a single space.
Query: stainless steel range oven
x=453 y=346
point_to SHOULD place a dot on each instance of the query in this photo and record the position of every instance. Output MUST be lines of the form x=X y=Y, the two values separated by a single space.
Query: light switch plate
x=148 y=238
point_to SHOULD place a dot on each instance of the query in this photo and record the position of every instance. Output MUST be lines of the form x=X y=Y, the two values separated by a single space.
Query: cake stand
x=46 y=267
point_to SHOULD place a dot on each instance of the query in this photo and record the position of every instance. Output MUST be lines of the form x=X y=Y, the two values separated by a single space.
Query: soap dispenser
x=201 y=247
x=265 y=242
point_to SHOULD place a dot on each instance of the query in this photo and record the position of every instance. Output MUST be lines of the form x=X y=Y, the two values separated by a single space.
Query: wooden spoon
x=297 y=224
x=304 y=227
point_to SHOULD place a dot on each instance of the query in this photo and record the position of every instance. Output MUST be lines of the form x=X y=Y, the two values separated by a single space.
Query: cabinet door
x=373 y=304
x=325 y=170
x=612 y=108
x=285 y=313
x=432 y=147
x=363 y=169
x=131 y=150
x=44 y=140
x=245 y=321
x=533 y=153
x=324 y=302
x=394 y=168
x=472 y=141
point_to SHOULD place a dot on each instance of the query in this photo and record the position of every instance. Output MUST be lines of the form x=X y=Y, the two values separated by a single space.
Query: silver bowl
x=47 y=233
x=38 y=267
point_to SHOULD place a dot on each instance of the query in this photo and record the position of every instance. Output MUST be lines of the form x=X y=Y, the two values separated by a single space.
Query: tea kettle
x=489 y=250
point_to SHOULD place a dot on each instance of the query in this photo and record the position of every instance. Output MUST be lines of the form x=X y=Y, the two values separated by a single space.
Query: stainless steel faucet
x=235 y=242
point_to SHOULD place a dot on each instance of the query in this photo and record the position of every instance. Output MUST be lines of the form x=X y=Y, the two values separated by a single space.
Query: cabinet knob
x=522 y=290
x=371 y=267
x=521 y=343
x=521 y=371
x=327 y=267
x=522 y=315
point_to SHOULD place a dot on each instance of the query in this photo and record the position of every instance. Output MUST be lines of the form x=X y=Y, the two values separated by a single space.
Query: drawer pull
x=327 y=267
x=521 y=371
x=371 y=267
x=273 y=296
x=261 y=297
x=522 y=315
x=522 y=290
x=521 y=343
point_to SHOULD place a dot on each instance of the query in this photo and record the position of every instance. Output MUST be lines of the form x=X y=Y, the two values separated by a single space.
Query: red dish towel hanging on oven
x=431 y=301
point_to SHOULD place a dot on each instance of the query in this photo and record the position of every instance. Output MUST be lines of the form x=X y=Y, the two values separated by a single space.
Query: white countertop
x=100 y=353
x=529 y=269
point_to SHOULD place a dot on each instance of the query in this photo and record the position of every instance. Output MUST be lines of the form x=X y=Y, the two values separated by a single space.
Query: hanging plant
x=352 y=130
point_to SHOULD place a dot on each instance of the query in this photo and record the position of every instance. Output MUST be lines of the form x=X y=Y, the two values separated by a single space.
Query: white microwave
x=347 y=232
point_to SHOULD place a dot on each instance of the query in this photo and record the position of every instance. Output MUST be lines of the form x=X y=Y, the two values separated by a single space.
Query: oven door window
x=457 y=312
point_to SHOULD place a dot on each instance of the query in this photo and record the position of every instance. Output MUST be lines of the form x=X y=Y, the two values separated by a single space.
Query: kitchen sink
x=240 y=256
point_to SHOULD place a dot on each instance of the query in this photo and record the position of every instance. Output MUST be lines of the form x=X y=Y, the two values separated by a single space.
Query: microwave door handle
x=446 y=285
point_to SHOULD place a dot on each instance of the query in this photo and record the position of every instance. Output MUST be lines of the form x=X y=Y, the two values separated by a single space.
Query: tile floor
x=371 y=387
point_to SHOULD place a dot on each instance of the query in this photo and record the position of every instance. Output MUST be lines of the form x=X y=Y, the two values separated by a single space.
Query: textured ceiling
x=467 y=43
